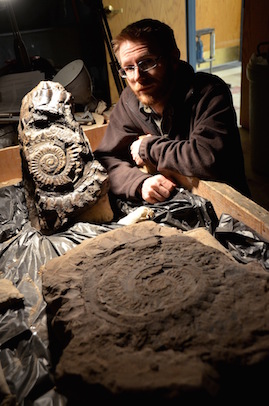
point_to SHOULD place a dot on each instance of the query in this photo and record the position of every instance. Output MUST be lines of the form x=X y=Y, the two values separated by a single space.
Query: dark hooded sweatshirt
x=203 y=140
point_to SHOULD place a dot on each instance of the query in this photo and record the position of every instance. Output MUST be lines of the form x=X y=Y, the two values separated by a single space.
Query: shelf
x=199 y=46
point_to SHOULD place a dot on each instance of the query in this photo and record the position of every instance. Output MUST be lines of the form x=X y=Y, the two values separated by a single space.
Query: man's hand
x=134 y=152
x=157 y=188
x=134 y=148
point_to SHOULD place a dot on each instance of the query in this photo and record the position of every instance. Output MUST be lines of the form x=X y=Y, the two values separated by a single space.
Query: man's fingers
x=157 y=189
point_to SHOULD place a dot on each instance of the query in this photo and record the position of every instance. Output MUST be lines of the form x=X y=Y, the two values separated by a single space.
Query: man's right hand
x=157 y=188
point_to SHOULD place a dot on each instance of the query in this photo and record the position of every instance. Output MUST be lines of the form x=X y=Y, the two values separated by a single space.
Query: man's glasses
x=143 y=66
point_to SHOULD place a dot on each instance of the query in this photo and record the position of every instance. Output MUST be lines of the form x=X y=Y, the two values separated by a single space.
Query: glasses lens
x=143 y=66
x=122 y=73
x=147 y=64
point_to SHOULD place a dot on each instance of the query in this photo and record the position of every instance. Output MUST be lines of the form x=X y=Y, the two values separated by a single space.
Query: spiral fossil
x=60 y=175
x=51 y=165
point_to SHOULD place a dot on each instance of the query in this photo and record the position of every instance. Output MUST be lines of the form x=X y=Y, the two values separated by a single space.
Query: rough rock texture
x=147 y=313
x=62 y=179
x=10 y=296
x=6 y=398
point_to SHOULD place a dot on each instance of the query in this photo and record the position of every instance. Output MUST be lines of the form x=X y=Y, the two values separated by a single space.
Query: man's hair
x=158 y=35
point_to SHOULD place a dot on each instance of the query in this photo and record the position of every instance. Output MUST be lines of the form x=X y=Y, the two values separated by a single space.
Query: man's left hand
x=134 y=148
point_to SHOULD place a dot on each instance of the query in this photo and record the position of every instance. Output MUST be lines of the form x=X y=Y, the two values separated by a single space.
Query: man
x=168 y=119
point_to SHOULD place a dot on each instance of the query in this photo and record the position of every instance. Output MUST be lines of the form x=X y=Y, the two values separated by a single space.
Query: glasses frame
x=124 y=74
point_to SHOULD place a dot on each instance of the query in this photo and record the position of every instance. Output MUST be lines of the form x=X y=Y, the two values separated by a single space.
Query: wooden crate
x=223 y=197
x=10 y=160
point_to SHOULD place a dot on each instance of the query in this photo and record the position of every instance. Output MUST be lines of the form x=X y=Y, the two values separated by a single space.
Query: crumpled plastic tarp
x=187 y=211
x=24 y=355
x=183 y=210
x=244 y=243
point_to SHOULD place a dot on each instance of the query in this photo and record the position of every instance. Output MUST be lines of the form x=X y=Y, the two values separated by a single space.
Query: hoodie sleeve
x=212 y=149
x=114 y=150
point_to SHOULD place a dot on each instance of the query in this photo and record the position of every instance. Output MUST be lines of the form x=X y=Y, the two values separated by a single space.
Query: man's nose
x=137 y=72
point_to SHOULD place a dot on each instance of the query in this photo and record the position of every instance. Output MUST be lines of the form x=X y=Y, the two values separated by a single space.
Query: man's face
x=150 y=87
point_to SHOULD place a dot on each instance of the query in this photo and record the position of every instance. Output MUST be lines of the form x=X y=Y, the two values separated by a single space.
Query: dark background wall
x=57 y=32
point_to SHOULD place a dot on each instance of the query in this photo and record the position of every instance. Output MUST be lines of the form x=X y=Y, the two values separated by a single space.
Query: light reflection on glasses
x=143 y=66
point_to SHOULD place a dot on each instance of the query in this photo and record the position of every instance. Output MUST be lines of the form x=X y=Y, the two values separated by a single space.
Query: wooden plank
x=227 y=200
x=10 y=164
x=94 y=134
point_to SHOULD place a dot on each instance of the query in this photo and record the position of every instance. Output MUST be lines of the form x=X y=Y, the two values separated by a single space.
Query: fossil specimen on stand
x=62 y=179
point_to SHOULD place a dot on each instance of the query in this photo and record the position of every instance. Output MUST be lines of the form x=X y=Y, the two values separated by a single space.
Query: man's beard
x=148 y=100
x=160 y=93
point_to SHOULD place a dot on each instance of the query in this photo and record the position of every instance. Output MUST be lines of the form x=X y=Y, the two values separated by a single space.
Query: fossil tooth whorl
x=51 y=165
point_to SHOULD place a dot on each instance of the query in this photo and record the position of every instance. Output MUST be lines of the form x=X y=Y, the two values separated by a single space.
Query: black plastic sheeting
x=244 y=244
x=24 y=355
x=187 y=211
x=184 y=211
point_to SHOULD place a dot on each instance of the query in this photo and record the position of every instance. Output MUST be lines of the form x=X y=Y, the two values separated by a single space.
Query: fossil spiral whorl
x=54 y=161
x=60 y=175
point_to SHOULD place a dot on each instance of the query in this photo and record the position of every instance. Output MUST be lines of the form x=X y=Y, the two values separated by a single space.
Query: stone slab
x=147 y=313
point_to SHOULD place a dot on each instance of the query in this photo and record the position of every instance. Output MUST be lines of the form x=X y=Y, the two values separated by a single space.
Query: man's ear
x=175 y=57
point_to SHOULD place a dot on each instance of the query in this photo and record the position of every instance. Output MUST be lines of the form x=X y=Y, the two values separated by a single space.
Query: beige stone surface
x=10 y=296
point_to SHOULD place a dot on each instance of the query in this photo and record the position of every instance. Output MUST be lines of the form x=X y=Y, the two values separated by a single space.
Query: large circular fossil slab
x=146 y=312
